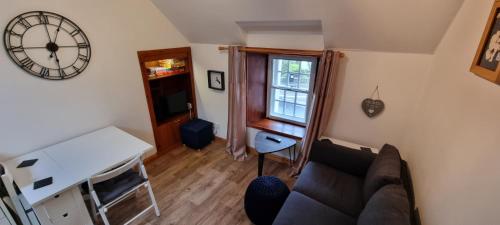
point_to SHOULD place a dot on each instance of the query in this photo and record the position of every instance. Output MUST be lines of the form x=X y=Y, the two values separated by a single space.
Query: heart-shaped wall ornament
x=372 y=107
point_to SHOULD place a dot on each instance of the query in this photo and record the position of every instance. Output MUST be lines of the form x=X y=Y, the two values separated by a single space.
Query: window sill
x=279 y=128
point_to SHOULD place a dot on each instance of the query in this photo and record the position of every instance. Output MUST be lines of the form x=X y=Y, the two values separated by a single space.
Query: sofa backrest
x=385 y=169
x=388 y=206
x=352 y=161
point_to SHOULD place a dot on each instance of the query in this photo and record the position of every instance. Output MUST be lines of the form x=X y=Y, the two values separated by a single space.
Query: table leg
x=294 y=149
x=290 y=156
x=261 y=163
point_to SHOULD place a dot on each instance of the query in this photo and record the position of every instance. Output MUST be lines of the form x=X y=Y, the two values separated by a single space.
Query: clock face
x=216 y=80
x=47 y=45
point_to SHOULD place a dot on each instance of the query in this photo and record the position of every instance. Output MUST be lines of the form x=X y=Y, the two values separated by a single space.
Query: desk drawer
x=60 y=205
x=64 y=209
x=75 y=218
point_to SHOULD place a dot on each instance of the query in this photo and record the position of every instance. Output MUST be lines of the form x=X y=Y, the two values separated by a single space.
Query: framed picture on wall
x=216 y=80
x=486 y=61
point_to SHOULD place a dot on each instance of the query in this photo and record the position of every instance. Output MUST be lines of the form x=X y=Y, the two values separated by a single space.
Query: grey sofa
x=343 y=186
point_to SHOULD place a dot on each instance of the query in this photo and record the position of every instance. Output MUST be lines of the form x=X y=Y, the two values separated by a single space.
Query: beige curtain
x=236 y=127
x=322 y=104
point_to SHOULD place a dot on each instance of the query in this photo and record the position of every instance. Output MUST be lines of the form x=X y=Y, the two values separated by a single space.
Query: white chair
x=4 y=209
x=14 y=200
x=113 y=186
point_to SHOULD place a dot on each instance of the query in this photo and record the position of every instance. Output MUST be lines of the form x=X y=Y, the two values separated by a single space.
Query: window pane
x=283 y=67
x=305 y=67
x=294 y=66
x=300 y=111
x=279 y=94
x=283 y=79
x=293 y=80
x=304 y=82
x=301 y=98
x=290 y=96
x=277 y=81
x=290 y=83
x=278 y=107
x=289 y=109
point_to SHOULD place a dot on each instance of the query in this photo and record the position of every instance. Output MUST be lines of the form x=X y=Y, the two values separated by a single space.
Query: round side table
x=268 y=143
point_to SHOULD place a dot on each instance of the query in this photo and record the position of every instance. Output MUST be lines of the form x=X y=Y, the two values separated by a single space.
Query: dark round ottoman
x=263 y=199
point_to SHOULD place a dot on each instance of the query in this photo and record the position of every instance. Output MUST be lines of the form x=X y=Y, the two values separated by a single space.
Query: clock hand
x=58 y=29
x=39 y=47
x=57 y=61
x=46 y=29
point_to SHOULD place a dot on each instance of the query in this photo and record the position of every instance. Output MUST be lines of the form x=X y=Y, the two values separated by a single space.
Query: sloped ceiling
x=377 y=25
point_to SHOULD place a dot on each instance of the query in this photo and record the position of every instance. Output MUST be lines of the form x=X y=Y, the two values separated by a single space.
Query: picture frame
x=216 y=80
x=486 y=62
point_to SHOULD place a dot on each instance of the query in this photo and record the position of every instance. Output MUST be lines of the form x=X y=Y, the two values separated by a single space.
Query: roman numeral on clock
x=43 y=18
x=15 y=34
x=24 y=23
x=76 y=69
x=83 y=57
x=44 y=72
x=17 y=49
x=27 y=63
x=82 y=45
x=62 y=73
x=75 y=32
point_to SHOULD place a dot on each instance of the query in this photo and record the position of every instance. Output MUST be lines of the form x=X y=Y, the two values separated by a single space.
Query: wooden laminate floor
x=191 y=187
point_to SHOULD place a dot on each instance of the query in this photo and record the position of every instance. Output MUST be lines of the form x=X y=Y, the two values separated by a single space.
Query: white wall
x=286 y=40
x=212 y=104
x=454 y=147
x=36 y=112
x=401 y=79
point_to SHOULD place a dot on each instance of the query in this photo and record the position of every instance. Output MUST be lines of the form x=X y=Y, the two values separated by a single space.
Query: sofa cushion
x=388 y=206
x=345 y=159
x=331 y=187
x=300 y=209
x=111 y=189
x=385 y=169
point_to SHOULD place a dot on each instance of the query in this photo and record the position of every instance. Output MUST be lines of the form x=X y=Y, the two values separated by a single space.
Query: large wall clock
x=47 y=45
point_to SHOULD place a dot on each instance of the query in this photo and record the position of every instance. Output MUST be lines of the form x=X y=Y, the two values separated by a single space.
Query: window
x=290 y=84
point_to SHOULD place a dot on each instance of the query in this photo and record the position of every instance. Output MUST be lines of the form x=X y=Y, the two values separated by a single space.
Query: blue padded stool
x=264 y=198
x=197 y=133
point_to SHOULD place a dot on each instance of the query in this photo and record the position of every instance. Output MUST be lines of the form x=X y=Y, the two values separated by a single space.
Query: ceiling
x=376 y=25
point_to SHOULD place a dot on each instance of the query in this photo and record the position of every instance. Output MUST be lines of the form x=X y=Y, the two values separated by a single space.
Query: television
x=171 y=105
x=177 y=103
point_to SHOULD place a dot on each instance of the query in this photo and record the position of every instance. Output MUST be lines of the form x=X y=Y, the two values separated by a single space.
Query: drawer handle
x=65 y=215
x=56 y=196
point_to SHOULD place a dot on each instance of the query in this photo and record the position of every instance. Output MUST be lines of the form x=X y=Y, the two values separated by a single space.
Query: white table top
x=71 y=162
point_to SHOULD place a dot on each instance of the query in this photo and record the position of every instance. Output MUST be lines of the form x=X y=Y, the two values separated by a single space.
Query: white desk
x=71 y=162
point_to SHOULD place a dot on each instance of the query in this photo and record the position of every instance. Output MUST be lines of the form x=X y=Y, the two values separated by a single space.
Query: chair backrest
x=8 y=184
x=136 y=160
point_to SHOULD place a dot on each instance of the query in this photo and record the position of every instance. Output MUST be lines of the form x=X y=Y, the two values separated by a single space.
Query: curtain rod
x=279 y=51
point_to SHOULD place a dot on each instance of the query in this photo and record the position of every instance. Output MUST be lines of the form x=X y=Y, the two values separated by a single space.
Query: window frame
x=312 y=78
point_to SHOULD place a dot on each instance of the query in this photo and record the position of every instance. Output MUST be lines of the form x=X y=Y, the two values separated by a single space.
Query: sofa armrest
x=348 y=160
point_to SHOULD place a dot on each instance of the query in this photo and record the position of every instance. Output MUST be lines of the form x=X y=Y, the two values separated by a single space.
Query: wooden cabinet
x=169 y=87
x=169 y=136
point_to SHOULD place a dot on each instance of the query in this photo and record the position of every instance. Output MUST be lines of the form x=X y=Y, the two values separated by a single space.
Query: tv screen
x=176 y=103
